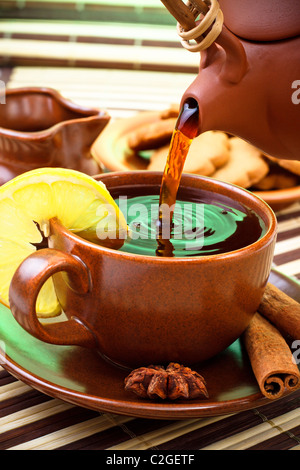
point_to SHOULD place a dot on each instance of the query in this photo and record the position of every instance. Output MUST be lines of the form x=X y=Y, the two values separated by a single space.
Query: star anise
x=176 y=381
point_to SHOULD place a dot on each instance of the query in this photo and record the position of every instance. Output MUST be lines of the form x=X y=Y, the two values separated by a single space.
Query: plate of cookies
x=141 y=142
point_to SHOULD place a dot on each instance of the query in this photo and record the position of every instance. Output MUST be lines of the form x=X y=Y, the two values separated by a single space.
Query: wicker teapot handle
x=194 y=19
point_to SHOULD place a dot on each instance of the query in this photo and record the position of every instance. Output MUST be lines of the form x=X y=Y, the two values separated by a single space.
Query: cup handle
x=24 y=289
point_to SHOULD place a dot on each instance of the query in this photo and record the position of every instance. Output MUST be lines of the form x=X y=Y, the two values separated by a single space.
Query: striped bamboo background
x=128 y=34
x=30 y=420
x=88 y=52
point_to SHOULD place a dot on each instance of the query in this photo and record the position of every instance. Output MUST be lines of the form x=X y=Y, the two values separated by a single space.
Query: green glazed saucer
x=83 y=378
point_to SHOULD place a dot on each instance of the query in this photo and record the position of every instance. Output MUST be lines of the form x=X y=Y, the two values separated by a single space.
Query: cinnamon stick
x=281 y=310
x=271 y=358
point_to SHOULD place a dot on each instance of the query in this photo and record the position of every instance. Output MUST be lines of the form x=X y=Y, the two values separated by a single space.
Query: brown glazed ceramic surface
x=80 y=376
x=246 y=88
x=262 y=20
x=40 y=128
x=248 y=82
x=137 y=309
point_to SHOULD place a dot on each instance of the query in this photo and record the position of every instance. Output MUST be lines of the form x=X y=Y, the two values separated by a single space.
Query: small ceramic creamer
x=40 y=128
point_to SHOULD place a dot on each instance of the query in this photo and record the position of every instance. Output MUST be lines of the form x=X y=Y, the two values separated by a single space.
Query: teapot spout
x=222 y=65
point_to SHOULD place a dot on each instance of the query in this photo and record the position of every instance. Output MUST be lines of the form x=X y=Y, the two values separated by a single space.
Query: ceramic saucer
x=83 y=378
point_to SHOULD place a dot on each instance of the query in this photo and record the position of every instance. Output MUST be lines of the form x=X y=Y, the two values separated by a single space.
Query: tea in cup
x=183 y=301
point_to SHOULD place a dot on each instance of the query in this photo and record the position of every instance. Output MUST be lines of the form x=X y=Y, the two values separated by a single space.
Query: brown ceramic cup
x=137 y=310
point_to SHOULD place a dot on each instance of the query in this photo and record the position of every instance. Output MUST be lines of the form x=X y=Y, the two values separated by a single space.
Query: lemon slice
x=28 y=202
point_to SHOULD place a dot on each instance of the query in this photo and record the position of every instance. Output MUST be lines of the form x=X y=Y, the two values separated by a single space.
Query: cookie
x=171 y=112
x=158 y=158
x=151 y=136
x=291 y=165
x=245 y=167
x=208 y=152
x=277 y=178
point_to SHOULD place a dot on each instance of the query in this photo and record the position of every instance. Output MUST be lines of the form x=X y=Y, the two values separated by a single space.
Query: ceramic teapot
x=249 y=78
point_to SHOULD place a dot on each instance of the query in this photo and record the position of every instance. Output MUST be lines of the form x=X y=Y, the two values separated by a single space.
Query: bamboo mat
x=113 y=44
x=30 y=420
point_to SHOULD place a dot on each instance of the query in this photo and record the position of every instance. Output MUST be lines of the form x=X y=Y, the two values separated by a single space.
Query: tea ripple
x=198 y=228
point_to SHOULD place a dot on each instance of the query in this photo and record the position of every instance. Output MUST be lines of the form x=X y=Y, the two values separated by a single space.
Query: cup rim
x=262 y=242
